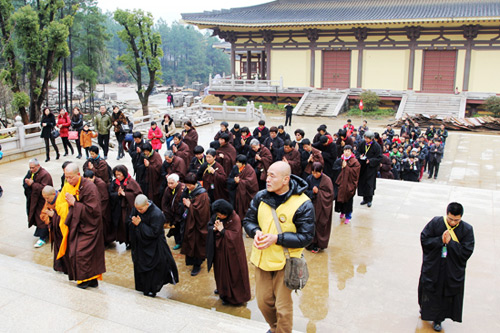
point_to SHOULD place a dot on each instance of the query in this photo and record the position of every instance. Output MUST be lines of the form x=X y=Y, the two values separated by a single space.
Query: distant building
x=420 y=45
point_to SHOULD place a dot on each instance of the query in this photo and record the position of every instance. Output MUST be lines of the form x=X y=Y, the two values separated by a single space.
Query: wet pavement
x=367 y=279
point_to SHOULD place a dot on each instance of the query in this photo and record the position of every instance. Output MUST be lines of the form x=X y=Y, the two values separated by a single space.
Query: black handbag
x=296 y=271
x=55 y=133
x=125 y=128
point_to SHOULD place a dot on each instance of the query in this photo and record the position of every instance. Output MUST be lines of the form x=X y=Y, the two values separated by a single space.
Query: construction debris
x=476 y=124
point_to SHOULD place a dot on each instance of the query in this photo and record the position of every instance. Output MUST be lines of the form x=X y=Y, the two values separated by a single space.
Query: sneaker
x=177 y=246
x=342 y=215
x=369 y=204
x=363 y=202
x=315 y=250
x=347 y=221
x=39 y=243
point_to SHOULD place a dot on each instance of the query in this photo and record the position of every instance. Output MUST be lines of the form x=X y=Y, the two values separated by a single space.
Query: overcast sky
x=171 y=11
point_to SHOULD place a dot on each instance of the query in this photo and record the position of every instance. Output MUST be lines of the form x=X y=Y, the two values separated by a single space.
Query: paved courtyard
x=365 y=281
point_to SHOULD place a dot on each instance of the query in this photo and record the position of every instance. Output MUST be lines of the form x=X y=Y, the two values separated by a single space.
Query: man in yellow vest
x=447 y=243
x=285 y=193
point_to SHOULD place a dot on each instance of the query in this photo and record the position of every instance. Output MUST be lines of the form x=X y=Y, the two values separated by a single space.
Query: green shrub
x=492 y=104
x=240 y=101
x=375 y=114
x=370 y=101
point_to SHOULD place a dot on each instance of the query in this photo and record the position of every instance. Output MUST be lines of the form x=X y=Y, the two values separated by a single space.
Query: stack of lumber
x=476 y=124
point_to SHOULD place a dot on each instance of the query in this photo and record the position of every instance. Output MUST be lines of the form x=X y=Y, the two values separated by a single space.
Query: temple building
x=426 y=46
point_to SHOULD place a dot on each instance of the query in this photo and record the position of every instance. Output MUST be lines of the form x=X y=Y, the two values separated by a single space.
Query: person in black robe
x=447 y=244
x=226 y=153
x=98 y=165
x=151 y=171
x=214 y=177
x=225 y=249
x=282 y=134
x=261 y=132
x=154 y=265
x=369 y=155
x=171 y=205
x=197 y=161
x=274 y=144
x=236 y=132
x=135 y=152
x=224 y=130
x=245 y=140
x=328 y=149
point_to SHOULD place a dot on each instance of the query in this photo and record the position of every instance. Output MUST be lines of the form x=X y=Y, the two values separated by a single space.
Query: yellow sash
x=62 y=209
x=450 y=229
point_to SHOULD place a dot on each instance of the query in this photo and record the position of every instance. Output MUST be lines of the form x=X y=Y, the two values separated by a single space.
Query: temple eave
x=210 y=24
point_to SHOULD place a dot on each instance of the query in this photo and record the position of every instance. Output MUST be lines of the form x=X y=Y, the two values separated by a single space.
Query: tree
x=10 y=74
x=492 y=104
x=370 y=100
x=42 y=37
x=144 y=51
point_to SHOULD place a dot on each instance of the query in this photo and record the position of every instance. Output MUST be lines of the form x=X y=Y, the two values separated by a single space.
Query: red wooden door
x=439 y=71
x=336 y=69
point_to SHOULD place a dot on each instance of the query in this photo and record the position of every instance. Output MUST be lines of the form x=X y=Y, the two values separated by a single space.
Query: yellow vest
x=273 y=258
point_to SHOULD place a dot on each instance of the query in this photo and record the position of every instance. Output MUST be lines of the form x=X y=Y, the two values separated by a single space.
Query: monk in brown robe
x=34 y=182
x=225 y=249
x=224 y=130
x=189 y=135
x=52 y=220
x=226 y=154
x=260 y=158
x=347 y=182
x=243 y=185
x=108 y=229
x=173 y=164
x=122 y=192
x=309 y=156
x=320 y=190
x=84 y=247
x=151 y=184
x=292 y=157
x=196 y=214
x=98 y=165
x=172 y=208
x=213 y=176
x=181 y=149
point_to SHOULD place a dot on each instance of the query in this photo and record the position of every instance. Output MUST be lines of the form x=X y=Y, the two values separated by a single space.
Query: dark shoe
x=105 y=157
x=315 y=250
x=83 y=285
x=429 y=177
x=435 y=177
x=128 y=247
x=369 y=204
x=436 y=325
x=79 y=156
x=118 y=158
x=224 y=302
x=150 y=294
x=196 y=270
x=65 y=154
x=57 y=157
x=93 y=283
x=363 y=202
x=47 y=159
x=216 y=292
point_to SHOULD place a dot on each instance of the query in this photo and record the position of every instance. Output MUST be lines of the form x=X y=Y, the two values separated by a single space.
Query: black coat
x=154 y=264
x=303 y=219
x=442 y=280
x=51 y=122
x=368 y=173
x=77 y=122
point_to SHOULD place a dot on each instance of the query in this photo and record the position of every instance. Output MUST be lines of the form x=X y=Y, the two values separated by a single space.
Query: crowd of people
x=203 y=196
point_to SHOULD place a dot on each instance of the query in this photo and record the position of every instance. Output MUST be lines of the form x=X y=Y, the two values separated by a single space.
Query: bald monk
x=154 y=265
x=52 y=220
x=34 y=182
x=284 y=193
x=78 y=206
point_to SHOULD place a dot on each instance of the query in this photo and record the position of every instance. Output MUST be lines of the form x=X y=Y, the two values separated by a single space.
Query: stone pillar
x=233 y=59
x=361 y=34
x=412 y=33
x=312 y=36
x=263 y=70
x=470 y=32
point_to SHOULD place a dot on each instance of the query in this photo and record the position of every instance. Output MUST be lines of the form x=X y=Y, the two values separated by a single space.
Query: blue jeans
x=168 y=140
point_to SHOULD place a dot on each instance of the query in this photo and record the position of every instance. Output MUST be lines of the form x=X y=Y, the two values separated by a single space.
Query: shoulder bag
x=54 y=133
x=296 y=272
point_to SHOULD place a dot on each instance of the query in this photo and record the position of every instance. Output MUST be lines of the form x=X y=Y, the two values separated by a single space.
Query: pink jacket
x=154 y=135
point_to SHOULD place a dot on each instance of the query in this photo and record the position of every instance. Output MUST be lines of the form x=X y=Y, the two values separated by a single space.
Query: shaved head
x=48 y=190
x=72 y=174
x=141 y=200
x=278 y=177
x=72 y=168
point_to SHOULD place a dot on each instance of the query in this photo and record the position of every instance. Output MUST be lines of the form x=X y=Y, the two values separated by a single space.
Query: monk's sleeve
x=250 y=222
x=88 y=208
x=430 y=239
x=459 y=253
x=154 y=229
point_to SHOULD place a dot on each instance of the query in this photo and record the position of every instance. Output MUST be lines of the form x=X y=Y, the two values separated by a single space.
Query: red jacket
x=64 y=122
x=154 y=135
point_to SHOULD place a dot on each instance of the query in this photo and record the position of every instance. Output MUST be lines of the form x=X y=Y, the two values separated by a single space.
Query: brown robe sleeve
x=229 y=159
x=246 y=190
x=348 y=180
x=293 y=158
x=41 y=179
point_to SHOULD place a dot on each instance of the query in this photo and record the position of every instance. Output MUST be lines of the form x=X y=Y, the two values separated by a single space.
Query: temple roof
x=335 y=12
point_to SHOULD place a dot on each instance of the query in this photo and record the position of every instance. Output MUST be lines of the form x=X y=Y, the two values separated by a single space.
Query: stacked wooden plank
x=475 y=124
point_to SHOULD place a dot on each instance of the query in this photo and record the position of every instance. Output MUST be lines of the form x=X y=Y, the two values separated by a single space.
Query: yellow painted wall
x=318 y=69
x=293 y=66
x=460 y=69
x=417 y=76
x=354 y=68
x=385 y=69
x=485 y=71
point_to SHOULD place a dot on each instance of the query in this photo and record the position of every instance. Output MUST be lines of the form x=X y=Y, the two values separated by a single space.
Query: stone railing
x=256 y=85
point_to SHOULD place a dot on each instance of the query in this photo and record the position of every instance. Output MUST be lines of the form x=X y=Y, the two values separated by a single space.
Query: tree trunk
x=70 y=70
